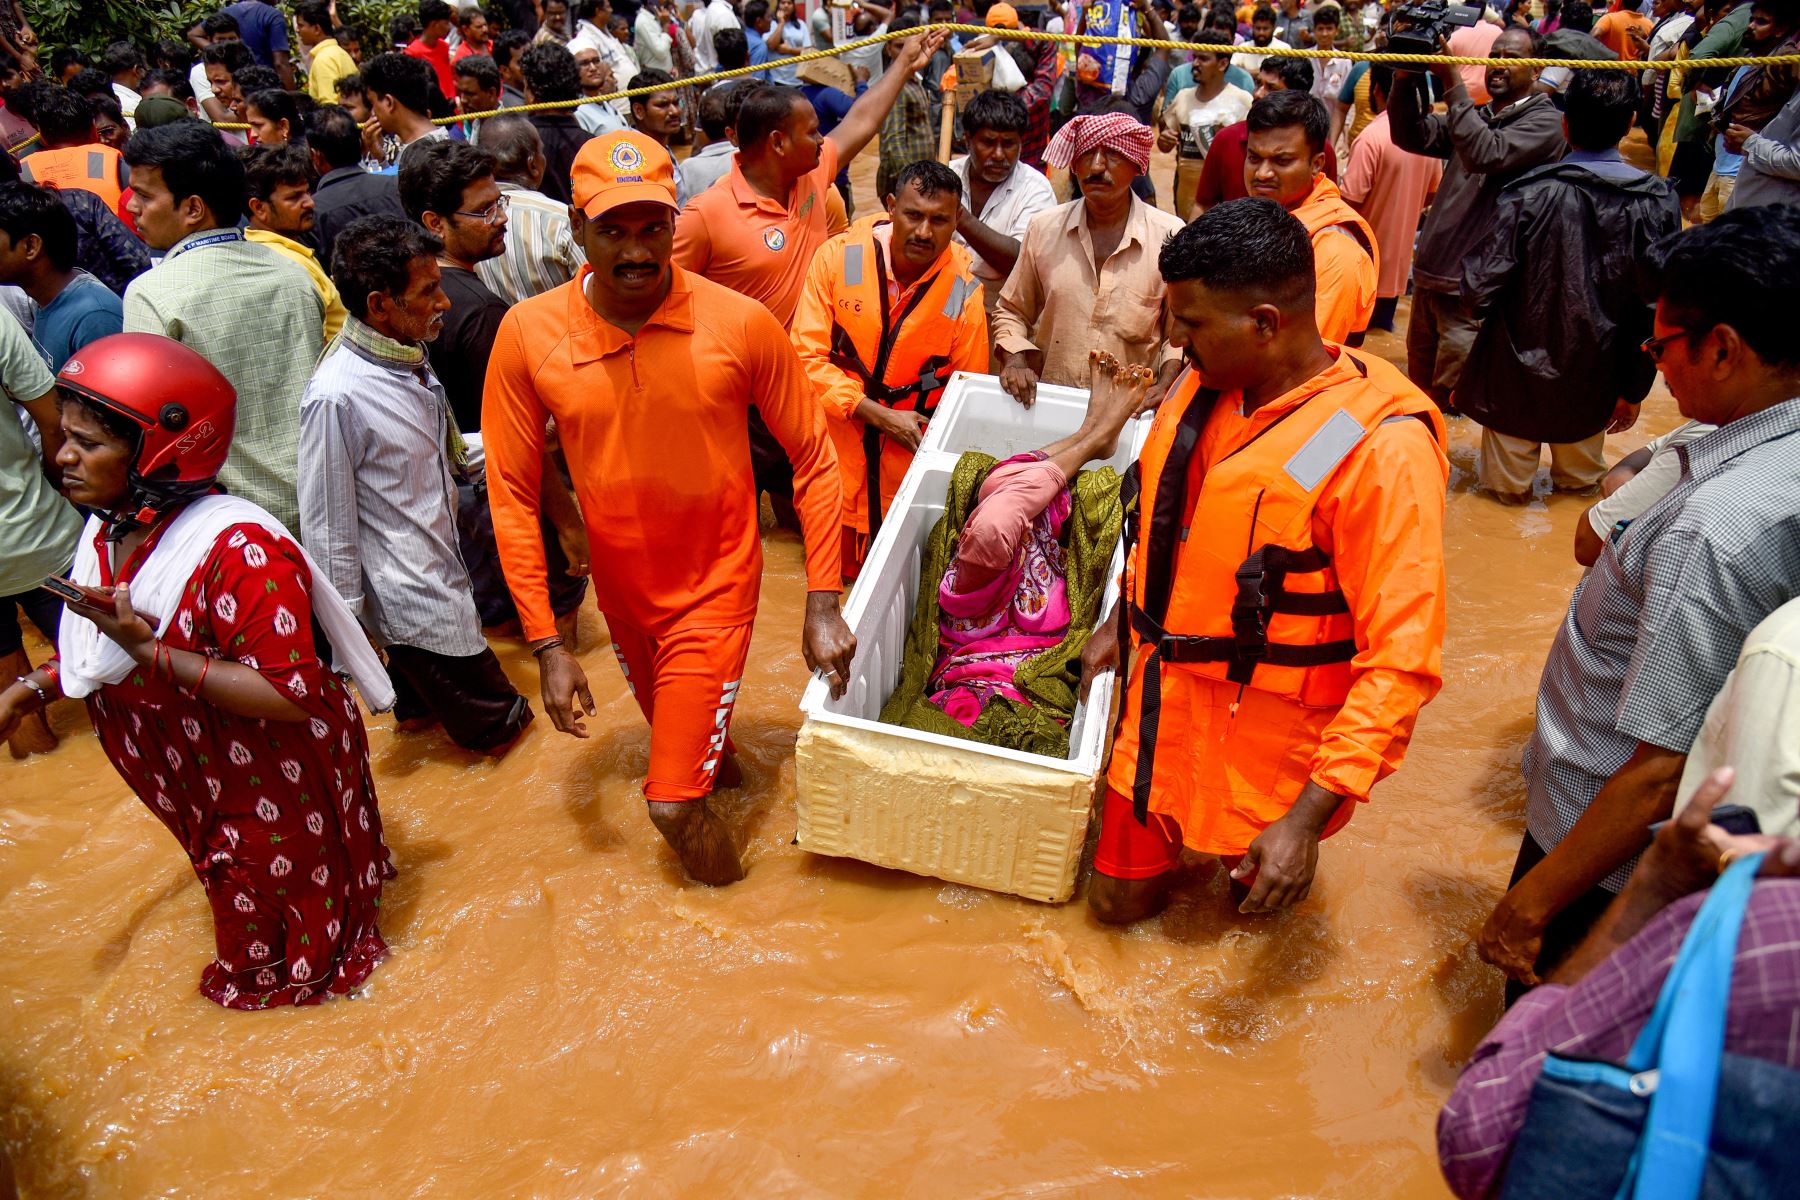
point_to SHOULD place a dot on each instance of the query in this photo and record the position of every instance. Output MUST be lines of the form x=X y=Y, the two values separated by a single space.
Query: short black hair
x=26 y=209
x=434 y=10
x=755 y=11
x=508 y=45
x=278 y=105
x=481 y=69
x=1381 y=78
x=351 y=85
x=550 y=73
x=1221 y=22
x=194 y=161
x=255 y=78
x=89 y=82
x=269 y=167
x=334 y=133
x=63 y=116
x=930 y=177
x=402 y=28
x=650 y=77
x=713 y=120
x=1249 y=246
x=731 y=48
x=766 y=108
x=512 y=139
x=1188 y=12
x=1263 y=12
x=408 y=80
x=108 y=106
x=1742 y=270
x=435 y=173
x=1599 y=107
x=1210 y=37
x=1286 y=110
x=119 y=57
x=997 y=111
x=176 y=81
x=375 y=254
x=233 y=56
x=466 y=17
x=1327 y=14
x=316 y=13
x=1578 y=16
x=1296 y=74
x=219 y=22
x=64 y=57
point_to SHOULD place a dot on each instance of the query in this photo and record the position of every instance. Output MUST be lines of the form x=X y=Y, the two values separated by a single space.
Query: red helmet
x=184 y=407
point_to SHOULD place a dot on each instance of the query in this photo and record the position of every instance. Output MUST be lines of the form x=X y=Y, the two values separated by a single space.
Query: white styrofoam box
x=947 y=807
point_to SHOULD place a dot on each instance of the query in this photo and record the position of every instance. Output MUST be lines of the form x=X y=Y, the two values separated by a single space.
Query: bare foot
x=699 y=838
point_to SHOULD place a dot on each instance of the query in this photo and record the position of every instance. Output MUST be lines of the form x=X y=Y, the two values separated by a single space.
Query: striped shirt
x=256 y=316
x=540 y=252
x=1654 y=629
x=377 y=501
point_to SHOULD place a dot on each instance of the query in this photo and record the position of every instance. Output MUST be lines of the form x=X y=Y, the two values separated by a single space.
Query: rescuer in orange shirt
x=649 y=372
x=1285 y=585
x=890 y=311
x=1284 y=161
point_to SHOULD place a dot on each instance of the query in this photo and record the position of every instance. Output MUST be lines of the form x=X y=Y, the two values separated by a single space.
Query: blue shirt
x=1605 y=163
x=792 y=34
x=832 y=107
x=261 y=27
x=83 y=312
x=759 y=50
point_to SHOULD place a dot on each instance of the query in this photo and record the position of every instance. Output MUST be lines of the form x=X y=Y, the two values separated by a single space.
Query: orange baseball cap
x=1003 y=16
x=624 y=167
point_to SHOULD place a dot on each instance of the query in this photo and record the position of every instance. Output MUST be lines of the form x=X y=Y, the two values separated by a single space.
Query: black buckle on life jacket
x=1250 y=619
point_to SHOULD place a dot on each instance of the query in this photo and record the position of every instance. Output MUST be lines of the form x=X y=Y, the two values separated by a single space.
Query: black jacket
x=563 y=138
x=345 y=194
x=1567 y=306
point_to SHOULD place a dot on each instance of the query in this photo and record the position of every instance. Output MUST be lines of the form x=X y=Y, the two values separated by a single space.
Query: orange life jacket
x=903 y=359
x=1326 y=213
x=1258 y=604
x=93 y=167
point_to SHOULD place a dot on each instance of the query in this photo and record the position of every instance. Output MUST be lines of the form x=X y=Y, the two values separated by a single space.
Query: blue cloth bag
x=1681 y=1119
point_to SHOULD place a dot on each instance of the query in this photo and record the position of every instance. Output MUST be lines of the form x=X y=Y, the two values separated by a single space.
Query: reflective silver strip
x=96 y=165
x=1324 y=450
x=853 y=264
x=960 y=291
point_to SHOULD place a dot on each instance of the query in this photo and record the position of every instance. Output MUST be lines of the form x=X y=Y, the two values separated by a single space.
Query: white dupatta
x=91 y=660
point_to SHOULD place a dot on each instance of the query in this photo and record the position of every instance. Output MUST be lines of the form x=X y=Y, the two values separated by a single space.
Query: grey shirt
x=38 y=528
x=378 y=505
x=1655 y=627
x=1770 y=173
x=1485 y=151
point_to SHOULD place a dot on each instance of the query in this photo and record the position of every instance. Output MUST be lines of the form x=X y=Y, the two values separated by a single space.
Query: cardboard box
x=957 y=810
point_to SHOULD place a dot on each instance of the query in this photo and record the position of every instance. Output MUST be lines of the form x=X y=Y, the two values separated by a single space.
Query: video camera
x=1417 y=27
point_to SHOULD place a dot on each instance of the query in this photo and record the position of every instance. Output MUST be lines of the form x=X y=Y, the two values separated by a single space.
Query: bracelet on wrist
x=537 y=651
x=42 y=693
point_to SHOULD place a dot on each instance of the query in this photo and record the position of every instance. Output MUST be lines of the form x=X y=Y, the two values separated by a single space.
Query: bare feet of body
x=699 y=838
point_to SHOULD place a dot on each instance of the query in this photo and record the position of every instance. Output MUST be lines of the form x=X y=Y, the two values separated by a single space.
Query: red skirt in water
x=278 y=818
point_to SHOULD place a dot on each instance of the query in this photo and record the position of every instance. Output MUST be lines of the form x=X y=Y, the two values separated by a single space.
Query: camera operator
x=1486 y=148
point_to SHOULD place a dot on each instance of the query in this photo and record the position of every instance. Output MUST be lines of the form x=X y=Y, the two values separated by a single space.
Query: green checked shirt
x=255 y=315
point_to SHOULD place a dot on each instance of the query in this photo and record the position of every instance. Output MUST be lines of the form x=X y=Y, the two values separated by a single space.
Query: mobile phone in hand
x=1734 y=819
x=70 y=592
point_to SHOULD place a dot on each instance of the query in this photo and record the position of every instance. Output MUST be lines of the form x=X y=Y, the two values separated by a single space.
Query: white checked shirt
x=1654 y=629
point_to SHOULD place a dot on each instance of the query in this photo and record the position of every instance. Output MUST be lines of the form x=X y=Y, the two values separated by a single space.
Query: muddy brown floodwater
x=564 y=1016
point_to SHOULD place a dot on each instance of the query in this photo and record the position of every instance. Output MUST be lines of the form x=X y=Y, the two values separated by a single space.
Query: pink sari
x=1004 y=600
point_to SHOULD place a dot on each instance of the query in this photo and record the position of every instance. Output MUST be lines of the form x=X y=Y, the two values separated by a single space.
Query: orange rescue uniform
x=654 y=428
x=1344 y=259
x=734 y=235
x=93 y=168
x=1338 y=488
x=862 y=335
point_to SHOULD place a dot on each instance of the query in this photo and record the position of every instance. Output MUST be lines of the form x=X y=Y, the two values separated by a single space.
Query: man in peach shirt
x=649 y=372
x=1391 y=188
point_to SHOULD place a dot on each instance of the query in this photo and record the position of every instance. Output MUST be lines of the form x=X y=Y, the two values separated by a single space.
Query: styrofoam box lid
x=974 y=414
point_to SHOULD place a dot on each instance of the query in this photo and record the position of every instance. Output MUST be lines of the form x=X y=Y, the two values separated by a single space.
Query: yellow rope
x=1033 y=35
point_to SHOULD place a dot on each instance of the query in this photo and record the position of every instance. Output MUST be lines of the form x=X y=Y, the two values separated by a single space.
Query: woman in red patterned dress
x=197 y=653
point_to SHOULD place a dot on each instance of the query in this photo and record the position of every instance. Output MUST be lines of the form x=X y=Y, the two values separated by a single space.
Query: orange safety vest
x=1326 y=213
x=93 y=167
x=903 y=359
x=1259 y=604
